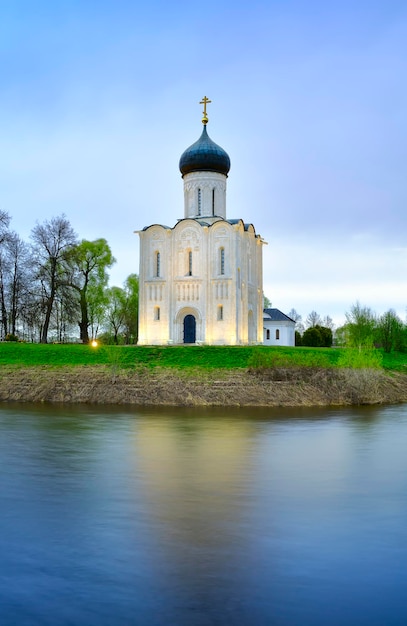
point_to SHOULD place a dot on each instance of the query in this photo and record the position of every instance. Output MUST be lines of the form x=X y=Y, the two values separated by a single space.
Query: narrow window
x=277 y=333
x=157 y=313
x=199 y=201
x=268 y=333
x=213 y=201
x=222 y=261
x=190 y=263
x=157 y=264
x=220 y=313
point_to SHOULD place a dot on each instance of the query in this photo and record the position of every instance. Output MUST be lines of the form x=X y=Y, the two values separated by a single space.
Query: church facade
x=201 y=281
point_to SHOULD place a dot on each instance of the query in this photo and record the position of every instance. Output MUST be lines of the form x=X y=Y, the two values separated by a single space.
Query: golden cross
x=205 y=101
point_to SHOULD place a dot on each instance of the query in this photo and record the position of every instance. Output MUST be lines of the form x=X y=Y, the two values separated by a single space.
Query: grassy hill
x=179 y=357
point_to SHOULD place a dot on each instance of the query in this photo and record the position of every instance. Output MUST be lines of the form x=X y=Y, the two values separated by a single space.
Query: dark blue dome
x=204 y=156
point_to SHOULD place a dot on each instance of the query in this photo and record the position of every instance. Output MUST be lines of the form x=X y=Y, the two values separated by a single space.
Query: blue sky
x=99 y=99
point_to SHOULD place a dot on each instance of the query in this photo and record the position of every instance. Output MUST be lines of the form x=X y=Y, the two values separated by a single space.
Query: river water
x=203 y=517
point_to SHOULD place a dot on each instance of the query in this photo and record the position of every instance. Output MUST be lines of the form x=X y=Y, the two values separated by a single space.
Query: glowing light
x=94 y=343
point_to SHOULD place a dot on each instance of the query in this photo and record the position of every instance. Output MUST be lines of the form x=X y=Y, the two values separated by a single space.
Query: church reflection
x=194 y=471
x=195 y=474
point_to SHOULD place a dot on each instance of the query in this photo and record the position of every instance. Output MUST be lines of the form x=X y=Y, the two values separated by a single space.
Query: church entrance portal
x=189 y=329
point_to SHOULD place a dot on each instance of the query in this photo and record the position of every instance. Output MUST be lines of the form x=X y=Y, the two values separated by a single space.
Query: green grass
x=205 y=357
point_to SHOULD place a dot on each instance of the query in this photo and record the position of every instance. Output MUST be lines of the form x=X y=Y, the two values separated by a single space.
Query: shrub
x=363 y=358
x=11 y=337
x=317 y=337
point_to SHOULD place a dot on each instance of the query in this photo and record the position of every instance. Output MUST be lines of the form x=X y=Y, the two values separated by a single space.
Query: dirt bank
x=105 y=385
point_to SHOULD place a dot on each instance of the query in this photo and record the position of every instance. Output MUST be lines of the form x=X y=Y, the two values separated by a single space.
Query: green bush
x=317 y=337
x=11 y=337
x=362 y=358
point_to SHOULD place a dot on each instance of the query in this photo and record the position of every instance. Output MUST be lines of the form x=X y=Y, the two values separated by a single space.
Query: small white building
x=201 y=281
x=278 y=328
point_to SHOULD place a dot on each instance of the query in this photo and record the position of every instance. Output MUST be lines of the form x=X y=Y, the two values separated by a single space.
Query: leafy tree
x=97 y=308
x=298 y=338
x=317 y=336
x=312 y=337
x=326 y=334
x=360 y=326
x=340 y=336
x=130 y=322
x=88 y=262
x=266 y=302
x=116 y=311
x=391 y=332
x=51 y=242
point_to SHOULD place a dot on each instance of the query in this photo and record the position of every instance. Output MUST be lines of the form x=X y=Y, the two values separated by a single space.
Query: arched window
x=222 y=260
x=277 y=333
x=157 y=313
x=220 y=312
x=190 y=263
x=213 y=201
x=157 y=264
x=199 y=201
x=268 y=333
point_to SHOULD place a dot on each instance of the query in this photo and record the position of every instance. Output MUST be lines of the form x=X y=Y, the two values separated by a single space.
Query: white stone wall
x=286 y=333
x=227 y=306
x=204 y=195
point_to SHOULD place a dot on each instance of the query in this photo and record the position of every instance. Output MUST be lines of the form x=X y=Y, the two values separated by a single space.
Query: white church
x=201 y=281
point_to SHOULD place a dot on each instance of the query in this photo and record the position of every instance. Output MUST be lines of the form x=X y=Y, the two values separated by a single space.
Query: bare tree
x=19 y=277
x=328 y=322
x=4 y=237
x=299 y=326
x=4 y=224
x=51 y=241
x=3 y=297
x=313 y=319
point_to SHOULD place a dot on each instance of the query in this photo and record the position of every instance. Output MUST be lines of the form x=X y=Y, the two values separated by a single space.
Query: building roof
x=275 y=315
x=204 y=156
x=211 y=223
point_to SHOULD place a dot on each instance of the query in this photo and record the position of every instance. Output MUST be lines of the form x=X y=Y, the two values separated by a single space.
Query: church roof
x=204 y=156
x=202 y=222
x=275 y=315
x=161 y=225
x=237 y=221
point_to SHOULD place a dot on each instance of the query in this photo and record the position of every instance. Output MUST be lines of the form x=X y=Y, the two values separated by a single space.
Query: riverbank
x=164 y=386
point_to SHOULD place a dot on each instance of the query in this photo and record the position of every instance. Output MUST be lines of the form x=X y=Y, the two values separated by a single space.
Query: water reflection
x=202 y=516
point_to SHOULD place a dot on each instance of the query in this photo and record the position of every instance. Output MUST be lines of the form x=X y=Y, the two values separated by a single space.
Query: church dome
x=204 y=156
